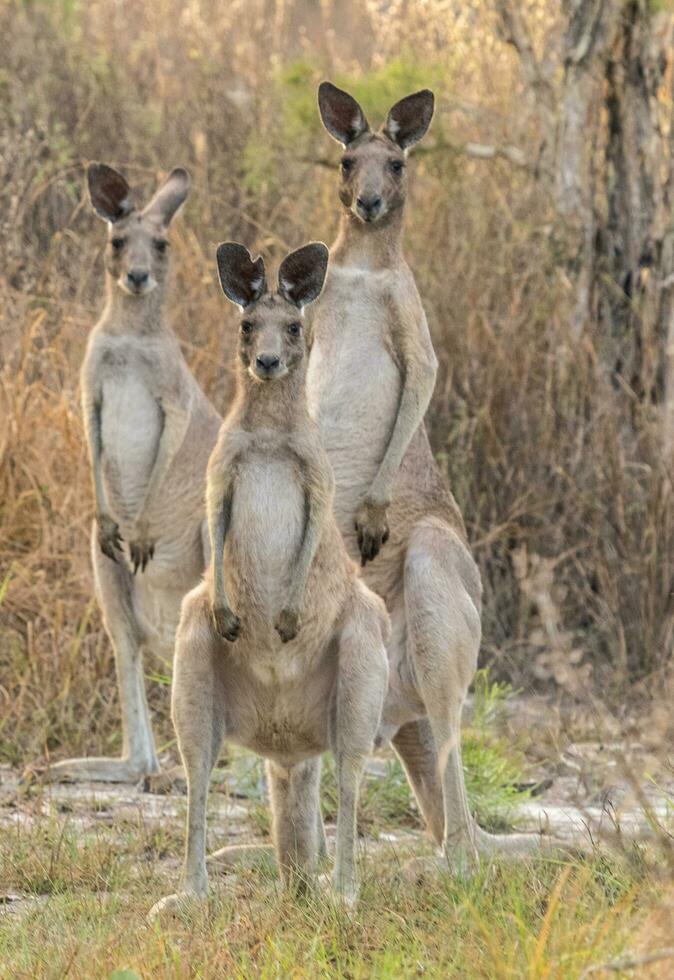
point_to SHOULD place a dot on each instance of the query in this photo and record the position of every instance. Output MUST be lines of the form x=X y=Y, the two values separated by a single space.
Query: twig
x=516 y=33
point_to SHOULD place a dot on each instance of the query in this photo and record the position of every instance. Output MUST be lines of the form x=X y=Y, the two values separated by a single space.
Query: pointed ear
x=410 y=118
x=342 y=116
x=170 y=196
x=302 y=274
x=242 y=280
x=109 y=192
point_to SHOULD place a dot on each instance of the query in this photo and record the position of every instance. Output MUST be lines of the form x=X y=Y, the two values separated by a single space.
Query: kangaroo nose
x=137 y=277
x=369 y=204
x=267 y=361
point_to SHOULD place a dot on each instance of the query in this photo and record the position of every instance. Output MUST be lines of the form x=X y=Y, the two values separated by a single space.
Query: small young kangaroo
x=281 y=649
x=150 y=431
x=370 y=379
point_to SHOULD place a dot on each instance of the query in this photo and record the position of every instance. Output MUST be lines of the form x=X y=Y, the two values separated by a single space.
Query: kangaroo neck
x=370 y=246
x=140 y=315
x=280 y=404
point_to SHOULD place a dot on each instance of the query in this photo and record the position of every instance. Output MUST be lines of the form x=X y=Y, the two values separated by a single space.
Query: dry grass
x=558 y=473
x=86 y=894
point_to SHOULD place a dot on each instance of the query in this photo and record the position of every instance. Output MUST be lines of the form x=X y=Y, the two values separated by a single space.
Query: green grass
x=86 y=891
x=92 y=892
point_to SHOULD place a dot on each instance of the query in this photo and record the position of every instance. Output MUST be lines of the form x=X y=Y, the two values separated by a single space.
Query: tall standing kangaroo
x=281 y=649
x=150 y=430
x=371 y=375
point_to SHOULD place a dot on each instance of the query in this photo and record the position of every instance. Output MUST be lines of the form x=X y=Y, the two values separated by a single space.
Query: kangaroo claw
x=226 y=623
x=109 y=538
x=287 y=625
x=372 y=530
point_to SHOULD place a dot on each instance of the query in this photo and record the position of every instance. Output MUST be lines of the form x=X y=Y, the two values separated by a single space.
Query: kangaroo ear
x=109 y=192
x=302 y=274
x=170 y=196
x=242 y=280
x=410 y=118
x=342 y=116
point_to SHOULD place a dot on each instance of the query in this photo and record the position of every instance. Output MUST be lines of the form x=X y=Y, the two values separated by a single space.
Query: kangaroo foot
x=100 y=770
x=165 y=781
x=178 y=906
x=246 y=856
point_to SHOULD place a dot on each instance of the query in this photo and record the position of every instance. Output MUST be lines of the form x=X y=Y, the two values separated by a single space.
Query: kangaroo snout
x=137 y=279
x=267 y=365
x=368 y=206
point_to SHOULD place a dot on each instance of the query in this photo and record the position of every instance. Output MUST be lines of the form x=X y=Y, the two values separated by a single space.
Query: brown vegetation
x=554 y=455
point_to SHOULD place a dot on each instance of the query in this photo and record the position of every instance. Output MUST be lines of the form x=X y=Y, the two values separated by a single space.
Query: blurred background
x=539 y=228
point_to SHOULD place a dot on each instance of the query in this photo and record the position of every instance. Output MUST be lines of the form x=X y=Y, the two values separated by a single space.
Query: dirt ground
x=613 y=790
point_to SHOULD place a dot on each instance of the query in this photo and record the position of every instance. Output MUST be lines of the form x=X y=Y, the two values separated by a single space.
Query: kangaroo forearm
x=414 y=401
x=92 y=424
x=307 y=553
x=218 y=533
x=171 y=439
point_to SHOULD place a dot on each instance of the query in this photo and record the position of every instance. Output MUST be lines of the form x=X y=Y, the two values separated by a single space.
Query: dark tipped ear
x=410 y=118
x=302 y=274
x=242 y=280
x=170 y=196
x=109 y=192
x=342 y=116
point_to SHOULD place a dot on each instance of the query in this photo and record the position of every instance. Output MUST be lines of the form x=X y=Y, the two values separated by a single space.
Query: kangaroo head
x=272 y=339
x=136 y=256
x=373 y=169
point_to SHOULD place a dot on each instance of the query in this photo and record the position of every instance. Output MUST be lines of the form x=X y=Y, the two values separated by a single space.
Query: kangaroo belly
x=353 y=386
x=131 y=424
x=267 y=523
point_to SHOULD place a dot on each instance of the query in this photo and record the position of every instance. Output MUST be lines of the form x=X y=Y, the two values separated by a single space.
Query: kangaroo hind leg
x=199 y=719
x=114 y=588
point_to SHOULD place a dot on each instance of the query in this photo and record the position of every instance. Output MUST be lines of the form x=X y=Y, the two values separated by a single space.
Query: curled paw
x=109 y=538
x=226 y=622
x=141 y=551
x=287 y=625
x=372 y=530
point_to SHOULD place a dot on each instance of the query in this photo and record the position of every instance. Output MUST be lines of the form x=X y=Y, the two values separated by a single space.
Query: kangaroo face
x=373 y=165
x=373 y=178
x=272 y=340
x=136 y=255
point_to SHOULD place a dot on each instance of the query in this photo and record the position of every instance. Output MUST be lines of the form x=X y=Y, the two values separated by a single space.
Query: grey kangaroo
x=370 y=379
x=150 y=430
x=281 y=649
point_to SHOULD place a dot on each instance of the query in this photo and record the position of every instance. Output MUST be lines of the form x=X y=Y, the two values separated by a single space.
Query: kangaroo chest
x=353 y=383
x=131 y=427
x=266 y=527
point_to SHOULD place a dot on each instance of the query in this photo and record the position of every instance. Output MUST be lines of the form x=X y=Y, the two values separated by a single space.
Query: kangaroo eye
x=294 y=329
x=118 y=243
x=397 y=166
x=246 y=328
x=347 y=165
x=161 y=245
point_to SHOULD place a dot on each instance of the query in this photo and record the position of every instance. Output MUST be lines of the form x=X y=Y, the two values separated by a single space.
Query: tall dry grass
x=556 y=471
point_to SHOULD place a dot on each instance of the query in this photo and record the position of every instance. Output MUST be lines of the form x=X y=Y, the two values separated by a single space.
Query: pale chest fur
x=135 y=378
x=267 y=521
x=353 y=381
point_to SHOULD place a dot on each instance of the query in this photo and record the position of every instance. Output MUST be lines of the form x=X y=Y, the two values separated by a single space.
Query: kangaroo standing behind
x=281 y=650
x=150 y=430
x=370 y=379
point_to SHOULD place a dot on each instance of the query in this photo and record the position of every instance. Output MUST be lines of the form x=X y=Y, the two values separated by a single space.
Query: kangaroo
x=281 y=648
x=370 y=378
x=150 y=430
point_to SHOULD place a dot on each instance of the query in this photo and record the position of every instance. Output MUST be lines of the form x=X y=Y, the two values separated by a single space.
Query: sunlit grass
x=89 y=900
